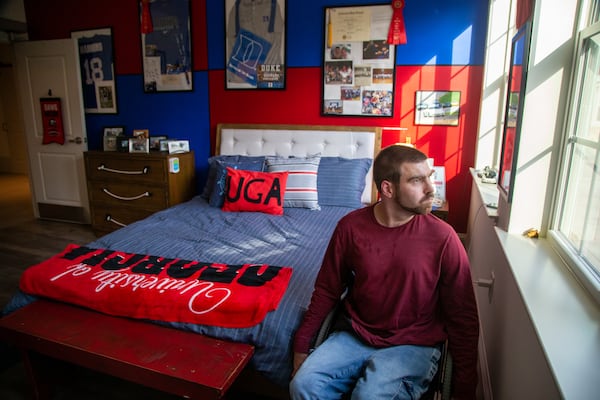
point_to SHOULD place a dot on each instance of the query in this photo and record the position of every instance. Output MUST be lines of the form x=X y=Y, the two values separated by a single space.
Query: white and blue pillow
x=301 y=190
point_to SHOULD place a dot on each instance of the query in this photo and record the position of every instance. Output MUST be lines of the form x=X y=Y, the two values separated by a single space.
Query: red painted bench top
x=178 y=362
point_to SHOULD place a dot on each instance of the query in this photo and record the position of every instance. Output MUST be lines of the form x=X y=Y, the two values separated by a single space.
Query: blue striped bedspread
x=196 y=231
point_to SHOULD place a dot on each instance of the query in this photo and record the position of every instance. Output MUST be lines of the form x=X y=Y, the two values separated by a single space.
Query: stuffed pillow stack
x=311 y=182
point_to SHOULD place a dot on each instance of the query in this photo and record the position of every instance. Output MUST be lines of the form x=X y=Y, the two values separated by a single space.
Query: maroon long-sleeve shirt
x=412 y=285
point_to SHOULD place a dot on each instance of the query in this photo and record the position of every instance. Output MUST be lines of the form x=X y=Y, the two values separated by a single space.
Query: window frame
x=576 y=263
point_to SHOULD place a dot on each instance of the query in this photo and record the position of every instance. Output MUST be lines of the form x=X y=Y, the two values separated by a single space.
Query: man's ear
x=387 y=189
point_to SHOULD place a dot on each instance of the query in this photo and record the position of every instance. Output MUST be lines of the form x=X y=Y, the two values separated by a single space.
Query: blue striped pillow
x=332 y=171
x=301 y=188
x=217 y=197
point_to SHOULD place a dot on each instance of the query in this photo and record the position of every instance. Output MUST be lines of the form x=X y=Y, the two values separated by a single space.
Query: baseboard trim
x=62 y=213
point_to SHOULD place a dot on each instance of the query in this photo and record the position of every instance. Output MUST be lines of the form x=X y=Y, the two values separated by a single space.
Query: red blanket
x=149 y=287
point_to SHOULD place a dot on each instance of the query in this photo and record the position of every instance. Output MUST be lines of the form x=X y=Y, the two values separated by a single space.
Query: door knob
x=76 y=140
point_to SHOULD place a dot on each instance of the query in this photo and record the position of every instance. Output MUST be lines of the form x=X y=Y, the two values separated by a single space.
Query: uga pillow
x=255 y=191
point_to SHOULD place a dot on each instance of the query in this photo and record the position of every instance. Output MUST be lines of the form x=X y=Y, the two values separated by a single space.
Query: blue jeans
x=343 y=364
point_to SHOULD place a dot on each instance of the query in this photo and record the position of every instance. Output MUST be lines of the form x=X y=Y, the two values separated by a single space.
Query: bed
x=199 y=230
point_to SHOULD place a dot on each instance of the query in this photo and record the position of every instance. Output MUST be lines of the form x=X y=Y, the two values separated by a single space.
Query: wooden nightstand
x=126 y=187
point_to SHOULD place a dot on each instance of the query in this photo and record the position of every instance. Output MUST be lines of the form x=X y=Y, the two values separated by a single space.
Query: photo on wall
x=437 y=107
x=255 y=44
x=358 y=62
x=166 y=45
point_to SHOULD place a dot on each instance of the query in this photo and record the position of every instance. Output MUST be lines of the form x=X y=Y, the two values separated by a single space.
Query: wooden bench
x=181 y=363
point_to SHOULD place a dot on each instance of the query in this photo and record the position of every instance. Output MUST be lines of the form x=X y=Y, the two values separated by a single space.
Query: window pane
x=591 y=243
x=580 y=217
x=588 y=124
x=578 y=197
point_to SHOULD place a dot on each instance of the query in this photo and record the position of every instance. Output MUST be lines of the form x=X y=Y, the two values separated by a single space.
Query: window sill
x=488 y=193
x=563 y=313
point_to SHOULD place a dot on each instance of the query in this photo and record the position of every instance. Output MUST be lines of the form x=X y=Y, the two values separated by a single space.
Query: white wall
x=497 y=55
x=546 y=96
x=514 y=357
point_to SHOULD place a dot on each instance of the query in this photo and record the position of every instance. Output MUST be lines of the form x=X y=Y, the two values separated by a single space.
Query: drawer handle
x=144 y=170
x=114 y=221
x=116 y=196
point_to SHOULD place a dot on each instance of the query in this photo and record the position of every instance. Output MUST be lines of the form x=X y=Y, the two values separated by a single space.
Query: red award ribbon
x=146 y=17
x=397 y=32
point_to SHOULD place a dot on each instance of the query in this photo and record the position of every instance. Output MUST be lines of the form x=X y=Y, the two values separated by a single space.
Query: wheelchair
x=440 y=386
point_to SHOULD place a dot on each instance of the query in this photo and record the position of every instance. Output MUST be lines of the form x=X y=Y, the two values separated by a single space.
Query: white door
x=46 y=69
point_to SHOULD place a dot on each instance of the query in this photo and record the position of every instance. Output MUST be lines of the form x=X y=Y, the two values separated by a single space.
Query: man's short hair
x=388 y=162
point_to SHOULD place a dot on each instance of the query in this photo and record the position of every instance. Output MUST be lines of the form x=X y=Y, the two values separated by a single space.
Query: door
x=49 y=69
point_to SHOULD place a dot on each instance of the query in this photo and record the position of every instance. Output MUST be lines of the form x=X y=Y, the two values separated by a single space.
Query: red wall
x=448 y=145
x=48 y=20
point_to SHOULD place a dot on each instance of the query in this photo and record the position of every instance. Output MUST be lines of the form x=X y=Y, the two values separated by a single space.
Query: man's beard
x=419 y=210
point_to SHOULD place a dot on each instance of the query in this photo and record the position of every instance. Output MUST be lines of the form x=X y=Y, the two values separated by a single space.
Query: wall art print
x=255 y=44
x=166 y=45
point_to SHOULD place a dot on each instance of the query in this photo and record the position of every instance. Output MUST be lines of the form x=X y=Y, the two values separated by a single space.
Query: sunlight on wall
x=494 y=85
x=555 y=28
x=546 y=91
x=461 y=47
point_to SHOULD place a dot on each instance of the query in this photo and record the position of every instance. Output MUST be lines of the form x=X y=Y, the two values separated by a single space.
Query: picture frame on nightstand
x=141 y=133
x=111 y=135
x=139 y=145
x=155 y=142
x=123 y=144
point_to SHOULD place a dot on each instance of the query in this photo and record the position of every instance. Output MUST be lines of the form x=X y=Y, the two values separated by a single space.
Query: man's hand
x=298 y=360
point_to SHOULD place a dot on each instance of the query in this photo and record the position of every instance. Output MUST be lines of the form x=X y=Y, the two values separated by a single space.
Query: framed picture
x=139 y=145
x=163 y=145
x=437 y=108
x=111 y=134
x=255 y=44
x=155 y=142
x=166 y=45
x=358 y=62
x=141 y=133
x=123 y=144
x=96 y=66
x=513 y=109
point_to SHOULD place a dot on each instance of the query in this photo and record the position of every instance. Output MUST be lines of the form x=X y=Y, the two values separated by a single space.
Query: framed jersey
x=95 y=48
x=255 y=44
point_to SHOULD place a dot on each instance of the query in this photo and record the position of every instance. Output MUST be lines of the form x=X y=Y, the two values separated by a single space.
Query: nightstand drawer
x=108 y=218
x=133 y=169
x=120 y=194
x=125 y=187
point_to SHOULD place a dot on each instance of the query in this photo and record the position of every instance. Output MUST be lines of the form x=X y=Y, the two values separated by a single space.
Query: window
x=576 y=226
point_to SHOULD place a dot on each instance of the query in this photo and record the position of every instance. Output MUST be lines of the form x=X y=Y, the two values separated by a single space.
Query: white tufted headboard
x=301 y=141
